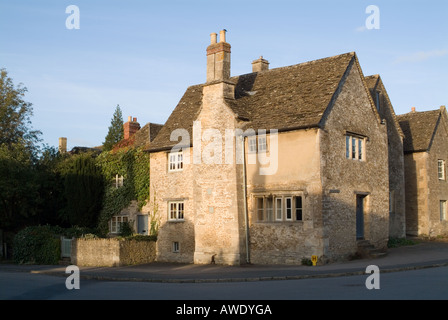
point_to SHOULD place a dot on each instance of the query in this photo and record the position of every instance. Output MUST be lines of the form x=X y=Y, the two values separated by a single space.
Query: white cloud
x=421 y=56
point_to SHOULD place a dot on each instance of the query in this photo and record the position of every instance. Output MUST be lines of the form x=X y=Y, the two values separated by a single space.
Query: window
x=278 y=209
x=260 y=209
x=443 y=215
x=298 y=208
x=176 y=210
x=441 y=169
x=118 y=181
x=288 y=208
x=252 y=140
x=354 y=147
x=176 y=162
x=116 y=222
x=176 y=247
x=258 y=143
x=269 y=209
x=262 y=145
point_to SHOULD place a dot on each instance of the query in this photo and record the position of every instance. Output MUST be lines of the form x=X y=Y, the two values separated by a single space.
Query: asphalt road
x=423 y=284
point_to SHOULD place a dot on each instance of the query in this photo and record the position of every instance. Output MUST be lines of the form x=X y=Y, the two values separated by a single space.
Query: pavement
x=425 y=254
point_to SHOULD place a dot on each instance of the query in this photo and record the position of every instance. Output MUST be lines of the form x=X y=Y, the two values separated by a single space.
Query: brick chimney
x=260 y=65
x=130 y=127
x=62 y=145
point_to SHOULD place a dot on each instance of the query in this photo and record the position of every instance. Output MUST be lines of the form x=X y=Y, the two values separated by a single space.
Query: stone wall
x=346 y=179
x=298 y=174
x=112 y=252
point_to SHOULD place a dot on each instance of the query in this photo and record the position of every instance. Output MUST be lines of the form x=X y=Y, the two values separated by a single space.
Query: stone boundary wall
x=112 y=252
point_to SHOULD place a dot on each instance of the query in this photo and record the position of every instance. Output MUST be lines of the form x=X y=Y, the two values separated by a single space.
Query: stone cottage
x=134 y=136
x=425 y=156
x=273 y=166
x=397 y=216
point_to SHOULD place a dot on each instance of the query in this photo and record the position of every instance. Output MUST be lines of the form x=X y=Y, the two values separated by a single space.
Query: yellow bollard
x=314 y=260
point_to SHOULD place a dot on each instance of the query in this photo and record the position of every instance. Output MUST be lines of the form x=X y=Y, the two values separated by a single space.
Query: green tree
x=115 y=133
x=15 y=115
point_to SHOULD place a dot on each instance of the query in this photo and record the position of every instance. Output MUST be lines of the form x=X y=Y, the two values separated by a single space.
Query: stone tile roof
x=283 y=98
x=418 y=129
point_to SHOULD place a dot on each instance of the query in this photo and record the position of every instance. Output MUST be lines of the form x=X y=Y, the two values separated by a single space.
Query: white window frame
x=441 y=169
x=278 y=209
x=355 y=147
x=116 y=222
x=260 y=210
x=269 y=205
x=176 y=210
x=119 y=181
x=175 y=161
x=443 y=215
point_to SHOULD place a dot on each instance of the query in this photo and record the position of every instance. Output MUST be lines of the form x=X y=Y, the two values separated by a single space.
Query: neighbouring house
x=397 y=216
x=425 y=157
x=275 y=166
x=134 y=137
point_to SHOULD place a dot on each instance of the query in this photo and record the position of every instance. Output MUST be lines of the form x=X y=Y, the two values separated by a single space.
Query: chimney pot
x=413 y=109
x=213 y=38
x=130 y=118
x=222 y=35
x=135 y=120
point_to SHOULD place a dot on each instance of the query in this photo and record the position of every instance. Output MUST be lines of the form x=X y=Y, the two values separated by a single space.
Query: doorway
x=360 y=204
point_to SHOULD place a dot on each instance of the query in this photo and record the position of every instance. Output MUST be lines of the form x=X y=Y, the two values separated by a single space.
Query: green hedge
x=37 y=245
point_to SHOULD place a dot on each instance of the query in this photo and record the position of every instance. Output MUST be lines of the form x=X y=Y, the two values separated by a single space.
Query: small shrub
x=307 y=262
x=37 y=245
x=398 y=242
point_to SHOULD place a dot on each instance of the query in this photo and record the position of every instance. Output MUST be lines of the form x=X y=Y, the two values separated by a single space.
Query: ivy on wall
x=133 y=165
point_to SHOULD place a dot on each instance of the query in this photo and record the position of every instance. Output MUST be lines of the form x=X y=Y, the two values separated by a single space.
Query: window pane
x=288 y=207
x=353 y=148
x=360 y=149
x=298 y=208
x=262 y=143
x=278 y=208
x=252 y=144
x=260 y=208
x=347 y=147
x=269 y=209
x=180 y=210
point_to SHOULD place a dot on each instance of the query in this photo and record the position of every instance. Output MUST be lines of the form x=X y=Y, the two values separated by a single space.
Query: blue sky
x=142 y=55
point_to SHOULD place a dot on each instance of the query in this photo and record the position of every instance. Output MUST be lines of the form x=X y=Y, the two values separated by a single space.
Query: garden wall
x=112 y=252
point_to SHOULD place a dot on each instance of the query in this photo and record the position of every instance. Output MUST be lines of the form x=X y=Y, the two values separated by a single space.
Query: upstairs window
x=118 y=181
x=354 y=147
x=441 y=169
x=176 y=210
x=175 y=161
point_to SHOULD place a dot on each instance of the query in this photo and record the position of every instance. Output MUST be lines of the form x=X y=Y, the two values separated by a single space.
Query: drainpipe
x=246 y=219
